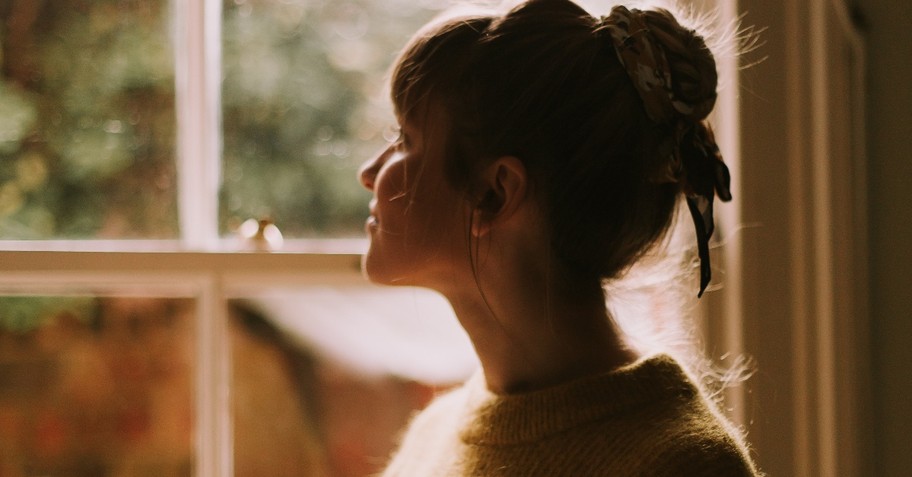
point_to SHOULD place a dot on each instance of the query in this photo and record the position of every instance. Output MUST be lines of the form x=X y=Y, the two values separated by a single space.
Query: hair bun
x=693 y=68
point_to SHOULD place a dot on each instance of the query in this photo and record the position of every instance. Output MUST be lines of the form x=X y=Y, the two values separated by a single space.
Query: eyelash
x=400 y=140
x=395 y=137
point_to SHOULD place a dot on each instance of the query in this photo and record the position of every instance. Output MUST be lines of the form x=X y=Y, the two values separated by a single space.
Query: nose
x=367 y=174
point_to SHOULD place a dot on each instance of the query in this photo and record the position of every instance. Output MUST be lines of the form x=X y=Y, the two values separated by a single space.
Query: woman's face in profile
x=417 y=227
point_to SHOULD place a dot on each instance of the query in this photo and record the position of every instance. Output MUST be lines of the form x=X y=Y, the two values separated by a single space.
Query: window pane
x=86 y=120
x=96 y=386
x=304 y=104
x=326 y=378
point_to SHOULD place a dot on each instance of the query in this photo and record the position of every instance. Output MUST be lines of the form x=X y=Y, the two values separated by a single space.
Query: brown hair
x=540 y=83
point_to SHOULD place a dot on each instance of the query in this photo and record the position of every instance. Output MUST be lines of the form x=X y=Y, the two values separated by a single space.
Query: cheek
x=442 y=216
x=393 y=183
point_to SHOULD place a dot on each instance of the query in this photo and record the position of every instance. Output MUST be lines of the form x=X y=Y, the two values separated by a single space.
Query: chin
x=375 y=272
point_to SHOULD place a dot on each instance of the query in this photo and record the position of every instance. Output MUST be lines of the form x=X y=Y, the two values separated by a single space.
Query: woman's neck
x=531 y=332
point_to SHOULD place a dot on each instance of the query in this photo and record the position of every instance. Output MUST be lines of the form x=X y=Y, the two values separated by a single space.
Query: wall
x=831 y=392
x=889 y=121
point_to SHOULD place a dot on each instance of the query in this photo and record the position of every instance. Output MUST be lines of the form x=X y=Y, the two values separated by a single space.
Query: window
x=136 y=336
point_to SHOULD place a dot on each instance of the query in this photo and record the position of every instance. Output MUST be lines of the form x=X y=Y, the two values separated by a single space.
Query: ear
x=503 y=187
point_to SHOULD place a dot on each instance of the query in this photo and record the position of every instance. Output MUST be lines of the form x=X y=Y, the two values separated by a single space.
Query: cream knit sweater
x=647 y=419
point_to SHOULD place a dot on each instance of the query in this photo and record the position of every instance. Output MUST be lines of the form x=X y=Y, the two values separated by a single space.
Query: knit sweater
x=646 y=419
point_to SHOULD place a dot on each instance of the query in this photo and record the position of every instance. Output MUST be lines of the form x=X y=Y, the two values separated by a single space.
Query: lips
x=371 y=221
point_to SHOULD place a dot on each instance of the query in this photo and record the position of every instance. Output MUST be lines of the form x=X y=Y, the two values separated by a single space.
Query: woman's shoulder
x=430 y=440
x=647 y=418
x=700 y=442
x=684 y=432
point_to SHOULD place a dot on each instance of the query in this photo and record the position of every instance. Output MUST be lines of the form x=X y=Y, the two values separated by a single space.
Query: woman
x=542 y=153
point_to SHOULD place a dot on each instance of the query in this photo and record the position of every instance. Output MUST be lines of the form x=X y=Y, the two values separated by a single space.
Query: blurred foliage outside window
x=87 y=114
x=304 y=103
x=102 y=386
x=86 y=120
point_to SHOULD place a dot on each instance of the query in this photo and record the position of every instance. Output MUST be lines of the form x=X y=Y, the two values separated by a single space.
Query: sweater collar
x=518 y=418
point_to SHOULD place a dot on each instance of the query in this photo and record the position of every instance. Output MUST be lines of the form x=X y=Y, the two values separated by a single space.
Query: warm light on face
x=416 y=227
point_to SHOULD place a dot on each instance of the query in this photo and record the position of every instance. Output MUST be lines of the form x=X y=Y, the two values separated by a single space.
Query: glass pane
x=95 y=386
x=326 y=378
x=86 y=120
x=304 y=104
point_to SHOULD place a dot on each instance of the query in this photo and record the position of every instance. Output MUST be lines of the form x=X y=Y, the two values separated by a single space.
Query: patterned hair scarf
x=695 y=160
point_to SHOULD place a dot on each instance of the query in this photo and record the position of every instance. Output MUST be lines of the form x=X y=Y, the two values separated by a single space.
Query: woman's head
x=544 y=83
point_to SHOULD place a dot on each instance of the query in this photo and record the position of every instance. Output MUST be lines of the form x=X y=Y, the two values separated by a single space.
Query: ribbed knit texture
x=647 y=419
